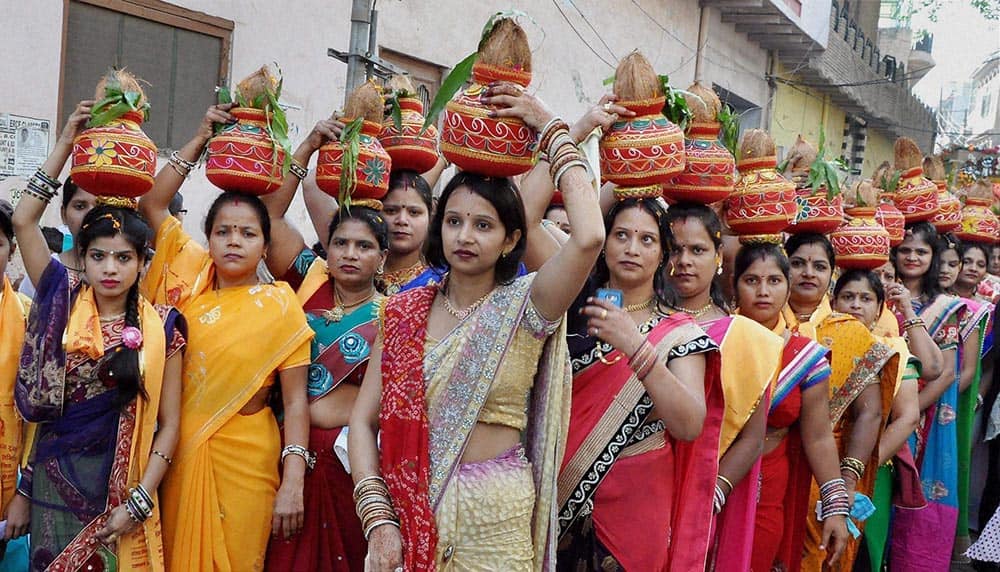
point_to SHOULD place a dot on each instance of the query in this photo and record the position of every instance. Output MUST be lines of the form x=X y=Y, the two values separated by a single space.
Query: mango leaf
x=608 y=80
x=395 y=111
x=730 y=133
x=675 y=107
x=449 y=87
x=783 y=166
x=278 y=126
x=115 y=104
x=223 y=95
x=350 y=139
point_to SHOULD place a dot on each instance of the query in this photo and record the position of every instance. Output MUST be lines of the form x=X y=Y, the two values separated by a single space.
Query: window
x=425 y=76
x=985 y=110
x=181 y=55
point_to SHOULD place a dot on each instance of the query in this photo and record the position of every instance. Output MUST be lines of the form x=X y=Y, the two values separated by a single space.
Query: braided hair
x=120 y=368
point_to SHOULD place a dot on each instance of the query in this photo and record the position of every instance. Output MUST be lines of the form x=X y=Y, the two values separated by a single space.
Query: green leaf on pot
x=395 y=110
x=608 y=80
x=823 y=173
x=449 y=87
x=116 y=103
x=223 y=95
x=730 y=133
x=496 y=17
x=350 y=138
x=675 y=107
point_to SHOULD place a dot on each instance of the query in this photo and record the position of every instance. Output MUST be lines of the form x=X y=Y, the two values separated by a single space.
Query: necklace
x=391 y=282
x=109 y=319
x=641 y=305
x=696 y=313
x=460 y=314
x=337 y=313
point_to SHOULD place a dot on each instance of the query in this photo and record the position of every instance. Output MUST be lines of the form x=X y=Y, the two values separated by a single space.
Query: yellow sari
x=219 y=494
x=13 y=312
x=858 y=360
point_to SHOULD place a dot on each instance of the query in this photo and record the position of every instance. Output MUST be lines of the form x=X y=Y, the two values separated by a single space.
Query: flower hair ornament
x=132 y=337
x=114 y=222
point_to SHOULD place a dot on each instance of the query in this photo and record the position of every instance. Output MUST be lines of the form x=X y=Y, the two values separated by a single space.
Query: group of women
x=452 y=387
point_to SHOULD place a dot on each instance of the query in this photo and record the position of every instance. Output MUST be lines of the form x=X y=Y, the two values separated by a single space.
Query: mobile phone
x=610 y=295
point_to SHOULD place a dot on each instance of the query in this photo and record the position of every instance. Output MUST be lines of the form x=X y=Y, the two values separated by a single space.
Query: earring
x=673 y=269
x=380 y=270
x=718 y=271
x=718 y=263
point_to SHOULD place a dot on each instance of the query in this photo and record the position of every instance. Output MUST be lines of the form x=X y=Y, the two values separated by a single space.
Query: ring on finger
x=607 y=107
x=604 y=313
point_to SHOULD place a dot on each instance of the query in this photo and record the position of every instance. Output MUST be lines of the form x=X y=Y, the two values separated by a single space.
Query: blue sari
x=922 y=537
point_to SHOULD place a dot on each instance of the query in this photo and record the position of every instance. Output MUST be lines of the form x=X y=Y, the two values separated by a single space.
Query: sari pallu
x=77 y=439
x=13 y=313
x=921 y=538
x=975 y=322
x=859 y=360
x=779 y=527
x=612 y=447
x=331 y=538
x=422 y=440
x=751 y=358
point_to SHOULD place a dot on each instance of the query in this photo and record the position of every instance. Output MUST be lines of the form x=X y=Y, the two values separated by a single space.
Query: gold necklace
x=641 y=305
x=391 y=282
x=337 y=313
x=109 y=319
x=460 y=314
x=696 y=313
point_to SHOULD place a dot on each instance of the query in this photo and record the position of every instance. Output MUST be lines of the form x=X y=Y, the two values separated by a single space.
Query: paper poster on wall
x=24 y=144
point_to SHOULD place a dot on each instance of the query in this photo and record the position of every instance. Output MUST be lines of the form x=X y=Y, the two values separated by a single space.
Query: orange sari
x=219 y=494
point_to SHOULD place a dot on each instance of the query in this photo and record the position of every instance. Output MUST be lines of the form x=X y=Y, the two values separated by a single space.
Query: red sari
x=612 y=446
x=779 y=528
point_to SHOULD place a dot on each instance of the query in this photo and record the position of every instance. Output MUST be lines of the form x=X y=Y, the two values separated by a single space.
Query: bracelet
x=44 y=198
x=52 y=182
x=555 y=125
x=915 y=322
x=298 y=170
x=176 y=157
x=373 y=480
x=853 y=465
x=718 y=499
x=727 y=481
x=378 y=523
x=834 y=501
x=162 y=456
x=308 y=456
x=575 y=163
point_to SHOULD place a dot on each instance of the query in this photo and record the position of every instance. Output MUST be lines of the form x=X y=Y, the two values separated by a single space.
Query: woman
x=917 y=533
x=896 y=481
x=810 y=256
x=863 y=380
x=750 y=359
x=976 y=341
x=100 y=376
x=247 y=340
x=640 y=385
x=407 y=212
x=798 y=422
x=75 y=205
x=13 y=313
x=450 y=450
x=341 y=305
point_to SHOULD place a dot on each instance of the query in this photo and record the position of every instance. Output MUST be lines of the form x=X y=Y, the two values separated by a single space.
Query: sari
x=606 y=522
x=779 y=527
x=219 y=494
x=974 y=322
x=87 y=450
x=858 y=361
x=495 y=514
x=822 y=312
x=922 y=538
x=13 y=313
x=751 y=357
x=331 y=537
